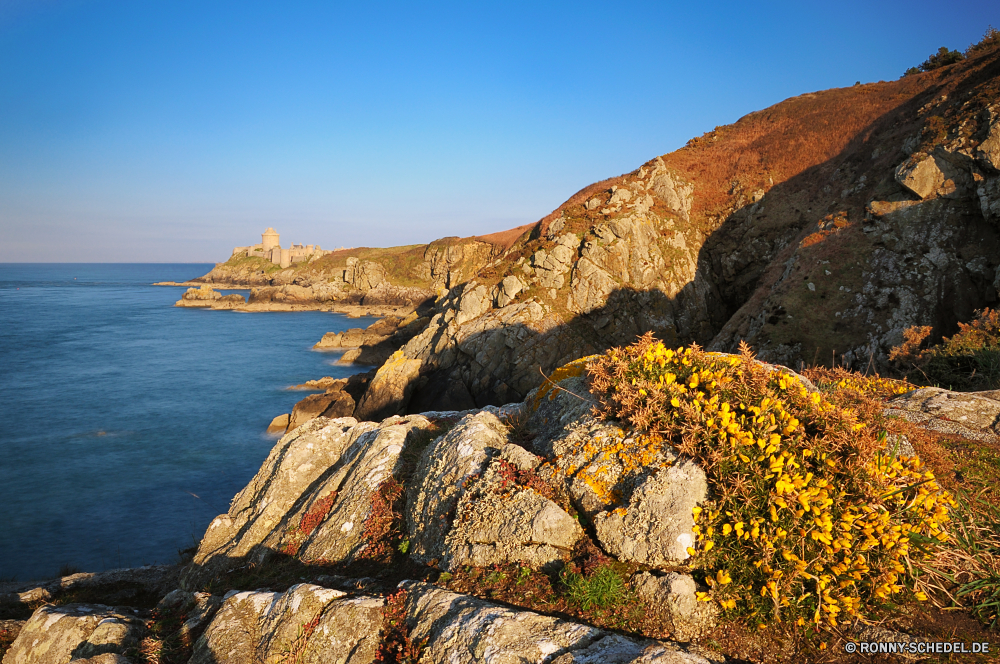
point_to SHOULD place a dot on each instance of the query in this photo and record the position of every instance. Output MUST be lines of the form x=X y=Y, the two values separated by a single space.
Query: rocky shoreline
x=204 y=296
x=480 y=492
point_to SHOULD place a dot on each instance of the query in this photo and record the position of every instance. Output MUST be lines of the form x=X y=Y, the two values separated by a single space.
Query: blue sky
x=172 y=131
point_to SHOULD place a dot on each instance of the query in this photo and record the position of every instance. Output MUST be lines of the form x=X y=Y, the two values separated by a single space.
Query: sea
x=128 y=424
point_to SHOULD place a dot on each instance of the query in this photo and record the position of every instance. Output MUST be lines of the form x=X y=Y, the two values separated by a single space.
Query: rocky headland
x=880 y=216
x=518 y=480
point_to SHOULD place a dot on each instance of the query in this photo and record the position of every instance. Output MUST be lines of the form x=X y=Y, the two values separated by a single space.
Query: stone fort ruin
x=270 y=249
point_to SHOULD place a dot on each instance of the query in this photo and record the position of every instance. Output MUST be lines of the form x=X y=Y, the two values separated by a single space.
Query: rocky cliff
x=374 y=279
x=816 y=230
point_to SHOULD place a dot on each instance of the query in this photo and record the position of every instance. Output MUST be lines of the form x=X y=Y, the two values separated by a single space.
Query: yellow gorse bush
x=870 y=386
x=809 y=519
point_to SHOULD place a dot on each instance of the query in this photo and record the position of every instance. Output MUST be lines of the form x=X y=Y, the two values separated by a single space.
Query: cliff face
x=816 y=230
x=406 y=275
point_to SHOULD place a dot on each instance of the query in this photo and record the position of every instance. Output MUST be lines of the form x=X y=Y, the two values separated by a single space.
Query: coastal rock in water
x=204 y=296
x=331 y=404
x=326 y=383
x=315 y=624
x=279 y=424
x=57 y=634
x=440 y=478
x=351 y=338
x=460 y=629
x=231 y=301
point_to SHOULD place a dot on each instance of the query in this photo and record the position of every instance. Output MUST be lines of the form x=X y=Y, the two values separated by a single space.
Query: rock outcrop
x=118 y=586
x=640 y=502
x=826 y=254
x=311 y=497
x=338 y=400
x=90 y=633
x=974 y=415
x=483 y=489
x=206 y=296
x=463 y=630
x=308 y=623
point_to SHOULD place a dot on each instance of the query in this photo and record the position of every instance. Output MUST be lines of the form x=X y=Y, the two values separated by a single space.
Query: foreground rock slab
x=444 y=467
x=975 y=415
x=76 y=632
x=311 y=497
x=116 y=586
x=638 y=496
x=308 y=624
x=460 y=629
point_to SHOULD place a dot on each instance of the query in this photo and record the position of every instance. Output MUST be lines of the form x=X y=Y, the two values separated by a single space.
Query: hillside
x=816 y=230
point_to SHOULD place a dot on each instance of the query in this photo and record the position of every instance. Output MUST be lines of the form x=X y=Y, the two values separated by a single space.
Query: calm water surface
x=127 y=424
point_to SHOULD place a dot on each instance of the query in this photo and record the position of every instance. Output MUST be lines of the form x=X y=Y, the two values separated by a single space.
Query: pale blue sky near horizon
x=173 y=131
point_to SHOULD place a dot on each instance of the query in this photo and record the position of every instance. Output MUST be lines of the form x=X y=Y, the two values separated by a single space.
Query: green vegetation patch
x=252 y=262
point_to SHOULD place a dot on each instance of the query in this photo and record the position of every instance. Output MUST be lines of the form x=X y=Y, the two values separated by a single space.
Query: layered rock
x=468 y=501
x=974 y=415
x=91 y=633
x=460 y=629
x=307 y=623
x=481 y=494
x=311 y=496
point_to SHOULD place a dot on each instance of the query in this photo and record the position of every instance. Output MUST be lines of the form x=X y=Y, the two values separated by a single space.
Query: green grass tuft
x=604 y=588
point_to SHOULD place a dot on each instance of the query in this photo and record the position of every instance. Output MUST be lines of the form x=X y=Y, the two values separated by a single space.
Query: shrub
x=969 y=360
x=942 y=58
x=843 y=382
x=989 y=40
x=810 y=518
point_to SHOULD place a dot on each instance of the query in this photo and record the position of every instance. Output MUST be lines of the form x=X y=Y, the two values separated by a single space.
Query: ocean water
x=127 y=424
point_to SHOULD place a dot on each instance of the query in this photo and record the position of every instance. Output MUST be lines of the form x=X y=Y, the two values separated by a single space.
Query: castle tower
x=270 y=239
